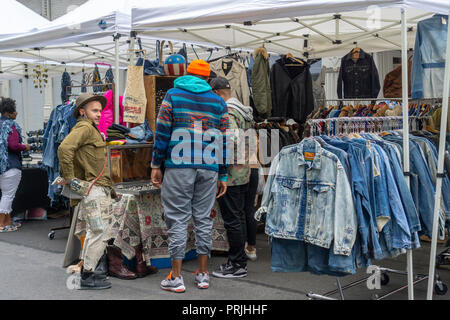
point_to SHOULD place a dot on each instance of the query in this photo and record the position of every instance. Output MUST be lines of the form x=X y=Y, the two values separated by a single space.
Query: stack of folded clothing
x=119 y=134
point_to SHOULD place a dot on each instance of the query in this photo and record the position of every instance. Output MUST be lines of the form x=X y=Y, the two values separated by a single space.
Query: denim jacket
x=301 y=202
x=427 y=73
x=360 y=78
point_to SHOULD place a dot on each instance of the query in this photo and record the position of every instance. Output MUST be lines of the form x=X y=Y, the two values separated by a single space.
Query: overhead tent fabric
x=78 y=39
x=92 y=20
x=331 y=27
x=25 y=20
x=16 y=18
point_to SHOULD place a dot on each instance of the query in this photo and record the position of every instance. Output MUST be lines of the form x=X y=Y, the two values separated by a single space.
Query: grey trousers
x=187 y=193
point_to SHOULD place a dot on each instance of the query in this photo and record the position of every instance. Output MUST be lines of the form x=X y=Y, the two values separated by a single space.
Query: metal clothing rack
x=360 y=125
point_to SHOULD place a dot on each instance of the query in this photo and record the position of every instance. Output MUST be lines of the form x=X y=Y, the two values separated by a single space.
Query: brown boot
x=142 y=269
x=115 y=265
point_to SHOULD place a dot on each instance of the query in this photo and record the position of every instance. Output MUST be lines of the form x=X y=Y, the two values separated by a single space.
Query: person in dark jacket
x=10 y=161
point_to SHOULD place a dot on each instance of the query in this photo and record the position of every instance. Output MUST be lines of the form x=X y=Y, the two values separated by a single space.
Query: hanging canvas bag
x=135 y=101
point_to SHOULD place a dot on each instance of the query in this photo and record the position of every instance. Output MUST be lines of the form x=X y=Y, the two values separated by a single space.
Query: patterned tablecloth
x=141 y=219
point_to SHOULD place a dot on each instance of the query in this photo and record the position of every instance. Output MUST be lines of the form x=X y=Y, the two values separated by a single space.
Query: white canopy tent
x=88 y=34
x=24 y=20
x=250 y=23
x=331 y=27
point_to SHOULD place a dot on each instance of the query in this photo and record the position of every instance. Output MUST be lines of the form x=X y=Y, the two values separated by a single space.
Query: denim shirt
x=360 y=192
x=424 y=185
x=397 y=229
x=301 y=202
x=427 y=72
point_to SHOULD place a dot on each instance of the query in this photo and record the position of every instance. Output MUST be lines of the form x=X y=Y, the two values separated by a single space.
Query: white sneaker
x=174 y=285
x=202 y=280
x=251 y=254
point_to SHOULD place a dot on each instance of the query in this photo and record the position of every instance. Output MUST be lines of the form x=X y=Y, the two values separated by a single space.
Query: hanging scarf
x=5 y=130
x=97 y=79
x=109 y=78
x=65 y=82
x=84 y=81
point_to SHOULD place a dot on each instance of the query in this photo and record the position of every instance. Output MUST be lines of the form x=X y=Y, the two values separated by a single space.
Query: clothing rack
x=361 y=124
x=381 y=272
x=382 y=99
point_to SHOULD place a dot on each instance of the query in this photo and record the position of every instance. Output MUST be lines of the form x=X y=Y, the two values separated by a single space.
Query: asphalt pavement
x=30 y=268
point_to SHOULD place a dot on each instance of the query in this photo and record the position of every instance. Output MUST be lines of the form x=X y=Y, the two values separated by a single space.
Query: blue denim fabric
x=401 y=235
x=323 y=261
x=404 y=192
x=297 y=256
x=142 y=132
x=300 y=198
x=288 y=255
x=60 y=123
x=375 y=251
x=341 y=154
x=427 y=71
x=360 y=193
x=431 y=157
x=425 y=186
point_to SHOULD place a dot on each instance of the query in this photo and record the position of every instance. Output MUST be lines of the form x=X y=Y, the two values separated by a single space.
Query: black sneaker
x=230 y=270
x=92 y=281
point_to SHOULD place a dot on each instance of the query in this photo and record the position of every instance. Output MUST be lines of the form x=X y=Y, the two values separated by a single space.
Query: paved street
x=30 y=268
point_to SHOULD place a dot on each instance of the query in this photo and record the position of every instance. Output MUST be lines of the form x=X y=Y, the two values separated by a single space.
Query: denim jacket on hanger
x=301 y=198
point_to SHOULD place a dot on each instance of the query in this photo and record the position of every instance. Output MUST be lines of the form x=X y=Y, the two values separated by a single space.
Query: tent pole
x=117 y=80
x=409 y=258
x=440 y=170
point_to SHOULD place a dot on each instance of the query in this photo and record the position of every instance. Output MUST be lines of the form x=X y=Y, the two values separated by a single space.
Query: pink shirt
x=13 y=141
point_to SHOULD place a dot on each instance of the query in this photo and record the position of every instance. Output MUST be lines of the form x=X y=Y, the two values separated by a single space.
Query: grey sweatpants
x=187 y=193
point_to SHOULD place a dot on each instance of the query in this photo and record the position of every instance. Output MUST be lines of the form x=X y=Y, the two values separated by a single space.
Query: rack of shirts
x=391 y=107
x=345 y=202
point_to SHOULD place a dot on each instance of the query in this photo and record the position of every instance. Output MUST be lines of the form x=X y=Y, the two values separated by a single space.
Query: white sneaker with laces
x=173 y=285
x=202 y=280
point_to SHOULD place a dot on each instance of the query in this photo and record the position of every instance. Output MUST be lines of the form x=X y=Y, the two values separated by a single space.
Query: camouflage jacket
x=239 y=171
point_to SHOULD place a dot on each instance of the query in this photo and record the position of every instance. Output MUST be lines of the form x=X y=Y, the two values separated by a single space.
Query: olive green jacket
x=82 y=154
x=262 y=94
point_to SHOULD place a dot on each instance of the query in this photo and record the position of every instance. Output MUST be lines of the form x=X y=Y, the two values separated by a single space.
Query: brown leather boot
x=142 y=269
x=115 y=265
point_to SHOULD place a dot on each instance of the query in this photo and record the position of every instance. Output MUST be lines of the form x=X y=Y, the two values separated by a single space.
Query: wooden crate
x=153 y=85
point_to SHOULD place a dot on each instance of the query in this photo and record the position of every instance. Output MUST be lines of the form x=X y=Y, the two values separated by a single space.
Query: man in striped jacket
x=191 y=137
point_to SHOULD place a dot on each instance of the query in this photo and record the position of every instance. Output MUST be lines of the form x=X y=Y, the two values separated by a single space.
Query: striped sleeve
x=224 y=126
x=163 y=131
